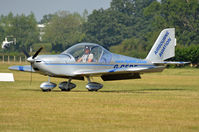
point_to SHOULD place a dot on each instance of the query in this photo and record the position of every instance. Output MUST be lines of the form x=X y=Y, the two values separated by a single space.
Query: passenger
x=87 y=56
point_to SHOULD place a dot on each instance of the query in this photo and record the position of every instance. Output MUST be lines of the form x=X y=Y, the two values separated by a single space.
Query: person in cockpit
x=87 y=56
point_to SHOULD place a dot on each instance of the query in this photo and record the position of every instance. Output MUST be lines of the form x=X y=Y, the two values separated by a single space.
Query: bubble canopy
x=94 y=52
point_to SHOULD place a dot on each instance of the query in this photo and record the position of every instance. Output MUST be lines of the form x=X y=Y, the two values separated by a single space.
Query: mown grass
x=167 y=101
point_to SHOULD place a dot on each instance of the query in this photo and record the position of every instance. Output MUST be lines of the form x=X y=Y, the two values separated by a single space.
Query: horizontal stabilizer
x=172 y=62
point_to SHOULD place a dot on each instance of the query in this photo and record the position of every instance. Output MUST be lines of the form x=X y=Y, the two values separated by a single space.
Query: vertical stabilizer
x=164 y=46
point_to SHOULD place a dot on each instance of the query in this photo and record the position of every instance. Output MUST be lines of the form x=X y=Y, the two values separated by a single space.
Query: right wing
x=120 y=71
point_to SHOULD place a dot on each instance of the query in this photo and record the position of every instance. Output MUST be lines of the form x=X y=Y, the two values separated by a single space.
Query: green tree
x=5 y=25
x=46 y=18
x=24 y=29
x=131 y=47
x=188 y=54
x=102 y=28
x=63 y=30
x=181 y=14
x=124 y=19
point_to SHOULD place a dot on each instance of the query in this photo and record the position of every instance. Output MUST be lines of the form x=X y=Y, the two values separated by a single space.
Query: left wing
x=26 y=68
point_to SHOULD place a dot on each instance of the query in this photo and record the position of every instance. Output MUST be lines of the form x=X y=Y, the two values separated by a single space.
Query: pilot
x=87 y=56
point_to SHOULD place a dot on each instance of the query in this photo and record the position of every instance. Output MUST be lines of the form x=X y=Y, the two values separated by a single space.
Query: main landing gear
x=93 y=86
x=67 y=86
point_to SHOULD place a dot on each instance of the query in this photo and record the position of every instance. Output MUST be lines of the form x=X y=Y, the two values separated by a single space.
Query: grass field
x=167 y=101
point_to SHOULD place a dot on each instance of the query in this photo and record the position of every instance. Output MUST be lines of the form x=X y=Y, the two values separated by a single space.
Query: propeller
x=38 y=51
x=31 y=59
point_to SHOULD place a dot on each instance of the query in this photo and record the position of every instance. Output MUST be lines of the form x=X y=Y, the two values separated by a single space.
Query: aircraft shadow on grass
x=141 y=91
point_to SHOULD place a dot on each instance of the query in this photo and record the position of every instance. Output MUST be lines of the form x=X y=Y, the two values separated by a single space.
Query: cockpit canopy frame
x=96 y=52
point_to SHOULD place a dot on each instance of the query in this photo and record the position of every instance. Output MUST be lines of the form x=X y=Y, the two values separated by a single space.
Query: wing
x=121 y=71
x=26 y=68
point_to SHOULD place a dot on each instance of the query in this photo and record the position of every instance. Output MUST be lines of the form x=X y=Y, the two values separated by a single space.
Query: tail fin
x=164 y=46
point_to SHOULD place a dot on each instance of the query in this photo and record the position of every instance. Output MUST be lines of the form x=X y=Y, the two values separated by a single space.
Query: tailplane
x=164 y=46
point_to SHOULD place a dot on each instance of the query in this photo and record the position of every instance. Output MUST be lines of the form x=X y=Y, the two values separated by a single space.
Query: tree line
x=128 y=27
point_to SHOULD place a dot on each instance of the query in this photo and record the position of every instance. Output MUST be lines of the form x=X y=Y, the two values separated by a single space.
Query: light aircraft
x=85 y=60
x=6 y=44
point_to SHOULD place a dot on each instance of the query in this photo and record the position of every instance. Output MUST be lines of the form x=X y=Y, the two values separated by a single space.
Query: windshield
x=88 y=52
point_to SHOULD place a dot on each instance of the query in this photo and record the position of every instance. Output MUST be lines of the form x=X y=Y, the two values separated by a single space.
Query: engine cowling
x=64 y=86
x=47 y=86
x=94 y=86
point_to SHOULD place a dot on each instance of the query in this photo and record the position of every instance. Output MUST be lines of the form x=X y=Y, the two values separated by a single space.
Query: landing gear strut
x=67 y=86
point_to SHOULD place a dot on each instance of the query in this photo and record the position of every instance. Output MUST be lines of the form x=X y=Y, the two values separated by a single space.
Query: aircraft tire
x=65 y=90
x=48 y=90
x=92 y=90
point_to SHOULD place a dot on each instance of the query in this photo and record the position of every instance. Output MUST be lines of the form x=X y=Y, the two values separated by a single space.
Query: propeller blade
x=24 y=51
x=38 y=51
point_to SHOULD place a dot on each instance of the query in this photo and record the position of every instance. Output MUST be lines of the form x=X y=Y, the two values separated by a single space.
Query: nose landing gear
x=47 y=86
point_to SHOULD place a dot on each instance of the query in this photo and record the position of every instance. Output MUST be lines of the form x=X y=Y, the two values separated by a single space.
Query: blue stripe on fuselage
x=131 y=61
x=95 y=64
x=80 y=64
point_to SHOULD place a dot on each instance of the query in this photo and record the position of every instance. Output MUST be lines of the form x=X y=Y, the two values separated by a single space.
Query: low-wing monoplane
x=85 y=60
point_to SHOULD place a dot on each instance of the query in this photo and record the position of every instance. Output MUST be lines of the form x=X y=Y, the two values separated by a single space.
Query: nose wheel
x=47 y=86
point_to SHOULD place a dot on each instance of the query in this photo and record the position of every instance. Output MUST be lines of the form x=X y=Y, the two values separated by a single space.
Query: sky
x=43 y=7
